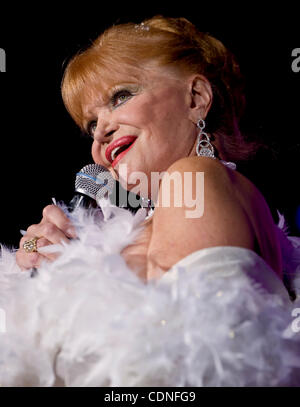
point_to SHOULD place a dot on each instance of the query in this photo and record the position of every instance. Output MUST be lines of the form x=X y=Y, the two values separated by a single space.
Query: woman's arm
x=220 y=219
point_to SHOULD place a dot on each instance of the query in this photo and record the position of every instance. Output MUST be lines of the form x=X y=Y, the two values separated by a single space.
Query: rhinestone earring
x=204 y=146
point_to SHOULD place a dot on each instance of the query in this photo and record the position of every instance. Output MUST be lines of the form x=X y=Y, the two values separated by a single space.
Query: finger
x=33 y=259
x=41 y=242
x=24 y=259
x=47 y=231
x=55 y=215
x=45 y=257
x=27 y=260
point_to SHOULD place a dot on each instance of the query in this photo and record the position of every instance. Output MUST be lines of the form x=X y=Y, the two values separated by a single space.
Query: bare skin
x=157 y=112
x=53 y=228
x=162 y=112
x=262 y=236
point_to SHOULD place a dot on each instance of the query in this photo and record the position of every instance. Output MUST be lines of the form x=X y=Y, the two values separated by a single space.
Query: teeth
x=115 y=150
x=113 y=153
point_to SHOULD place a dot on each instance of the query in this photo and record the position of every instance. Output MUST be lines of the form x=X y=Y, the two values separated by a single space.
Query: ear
x=200 y=96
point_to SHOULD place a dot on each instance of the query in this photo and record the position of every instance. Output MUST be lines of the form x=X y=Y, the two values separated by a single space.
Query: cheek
x=138 y=114
x=96 y=154
x=147 y=111
x=168 y=117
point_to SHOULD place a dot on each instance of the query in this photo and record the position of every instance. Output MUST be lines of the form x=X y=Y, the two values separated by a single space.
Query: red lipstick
x=118 y=143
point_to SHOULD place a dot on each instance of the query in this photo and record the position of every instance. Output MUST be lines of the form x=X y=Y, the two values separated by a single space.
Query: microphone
x=92 y=181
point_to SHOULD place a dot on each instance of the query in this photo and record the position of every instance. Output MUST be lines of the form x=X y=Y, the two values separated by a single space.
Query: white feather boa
x=87 y=320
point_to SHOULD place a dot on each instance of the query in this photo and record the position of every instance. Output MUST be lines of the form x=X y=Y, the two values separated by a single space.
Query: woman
x=157 y=84
x=175 y=96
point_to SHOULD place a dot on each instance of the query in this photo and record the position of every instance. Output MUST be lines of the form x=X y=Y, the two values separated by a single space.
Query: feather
x=219 y=317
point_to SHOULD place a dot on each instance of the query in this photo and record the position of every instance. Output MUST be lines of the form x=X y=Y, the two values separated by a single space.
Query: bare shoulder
x=211 y=170
x=201 y=211
x=221 y=207
x=196 y=163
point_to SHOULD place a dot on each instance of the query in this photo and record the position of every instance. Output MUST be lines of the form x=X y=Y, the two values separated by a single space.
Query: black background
x=41 y=148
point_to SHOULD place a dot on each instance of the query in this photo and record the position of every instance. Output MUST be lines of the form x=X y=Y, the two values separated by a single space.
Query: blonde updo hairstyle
x=123 y=49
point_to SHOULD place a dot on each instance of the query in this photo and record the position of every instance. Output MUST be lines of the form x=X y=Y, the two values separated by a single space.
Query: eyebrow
x=106 y=97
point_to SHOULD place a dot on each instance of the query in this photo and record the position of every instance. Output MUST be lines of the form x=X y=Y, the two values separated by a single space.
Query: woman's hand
x=54 y=228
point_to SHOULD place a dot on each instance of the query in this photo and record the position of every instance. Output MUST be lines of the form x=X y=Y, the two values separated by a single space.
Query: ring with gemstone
x=30 y=245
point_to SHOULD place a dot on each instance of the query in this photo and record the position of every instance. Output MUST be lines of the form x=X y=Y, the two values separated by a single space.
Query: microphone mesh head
x=94 y=179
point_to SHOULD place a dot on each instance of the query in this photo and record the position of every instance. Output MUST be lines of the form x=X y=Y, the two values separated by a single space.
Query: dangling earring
x=204 y=146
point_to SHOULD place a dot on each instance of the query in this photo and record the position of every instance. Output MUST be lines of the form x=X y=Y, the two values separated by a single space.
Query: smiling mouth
x=118 y=150
x=118 y=153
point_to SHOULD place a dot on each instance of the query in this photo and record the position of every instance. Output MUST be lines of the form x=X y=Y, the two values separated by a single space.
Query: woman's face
x=155 y=112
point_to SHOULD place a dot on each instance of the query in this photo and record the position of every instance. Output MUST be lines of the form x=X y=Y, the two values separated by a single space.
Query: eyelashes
x=120 y=96
x=91 y=128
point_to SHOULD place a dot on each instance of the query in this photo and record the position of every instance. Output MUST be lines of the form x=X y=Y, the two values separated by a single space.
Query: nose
x=102 y=136
x=104 y=130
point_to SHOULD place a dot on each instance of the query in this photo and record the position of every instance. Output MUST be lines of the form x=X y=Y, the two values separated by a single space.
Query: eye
x=91 y=128
x=120 y=97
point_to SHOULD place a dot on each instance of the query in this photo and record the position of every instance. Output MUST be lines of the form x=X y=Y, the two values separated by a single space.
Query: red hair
x=121 y=51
